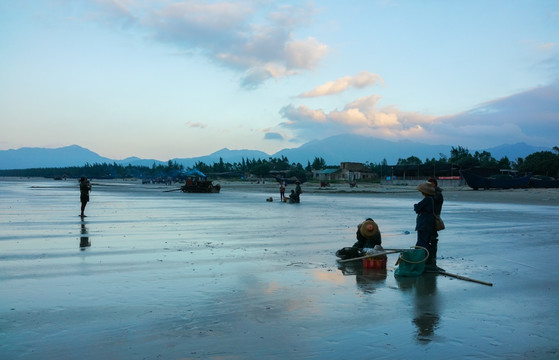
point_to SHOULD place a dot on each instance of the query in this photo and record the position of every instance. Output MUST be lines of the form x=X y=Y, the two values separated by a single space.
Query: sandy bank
x=463 y=193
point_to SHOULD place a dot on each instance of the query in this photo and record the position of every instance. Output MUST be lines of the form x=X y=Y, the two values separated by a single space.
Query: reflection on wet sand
x=367 y=279
x=426 y=304
x=84 y=238
x=425 y=299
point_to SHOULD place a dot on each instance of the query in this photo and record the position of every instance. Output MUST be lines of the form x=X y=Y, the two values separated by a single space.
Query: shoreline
x=528 y=196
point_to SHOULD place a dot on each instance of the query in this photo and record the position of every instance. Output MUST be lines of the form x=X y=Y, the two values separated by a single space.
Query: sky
x=166 y=79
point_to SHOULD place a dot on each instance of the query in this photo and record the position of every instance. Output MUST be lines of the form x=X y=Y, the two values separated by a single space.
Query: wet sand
x=150 y=274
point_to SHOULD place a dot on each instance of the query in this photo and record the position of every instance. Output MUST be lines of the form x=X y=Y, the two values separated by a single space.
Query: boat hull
x=481 y=182
x=201 y=187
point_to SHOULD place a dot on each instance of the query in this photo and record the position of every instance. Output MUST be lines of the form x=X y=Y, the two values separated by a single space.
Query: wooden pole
x=369 y=256
x=463 y=278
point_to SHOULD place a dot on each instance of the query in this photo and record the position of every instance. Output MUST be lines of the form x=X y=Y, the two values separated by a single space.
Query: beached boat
x=197 y=182
x=543 y=182
x=288 y=181
x=500 y=181
x=200 y=186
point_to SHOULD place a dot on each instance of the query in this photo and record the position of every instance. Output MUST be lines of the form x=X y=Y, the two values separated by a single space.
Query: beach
x=155 y=273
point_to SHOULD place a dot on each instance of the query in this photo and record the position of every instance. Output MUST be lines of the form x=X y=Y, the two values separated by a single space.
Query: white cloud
x=530 y=116
x=304 y=54
x=255 y=38
x=358 y=117
x=361 y=80
x=303 y=114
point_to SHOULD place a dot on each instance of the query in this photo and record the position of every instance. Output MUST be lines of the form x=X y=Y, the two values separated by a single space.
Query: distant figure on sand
x=294 y=197
x=282 y=191
x=298 y=191
x=85 y=188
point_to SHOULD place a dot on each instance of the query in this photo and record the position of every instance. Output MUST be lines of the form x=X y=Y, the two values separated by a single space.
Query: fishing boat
x=197 y=182
x=288 y=181
x=498 y=181
x=546 y=182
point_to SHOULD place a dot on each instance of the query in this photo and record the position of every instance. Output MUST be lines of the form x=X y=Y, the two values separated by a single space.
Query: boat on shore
x=497 y=181
x=543 y=182
x=197 y=182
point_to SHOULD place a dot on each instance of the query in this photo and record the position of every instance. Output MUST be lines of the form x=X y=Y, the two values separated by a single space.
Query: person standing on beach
x=298 y=191
x=85 y=188
x=438 y=200
x=425 y=220
x=282 y=191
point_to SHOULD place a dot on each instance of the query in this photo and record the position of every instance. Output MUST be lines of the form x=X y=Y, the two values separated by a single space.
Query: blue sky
x=170 y=79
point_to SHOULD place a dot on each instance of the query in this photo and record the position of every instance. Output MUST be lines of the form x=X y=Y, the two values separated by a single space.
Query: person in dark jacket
x=438 y=200
x=437 y=197
x=425 y=220
x=368 y=235
x=85 y=188
x=298 y=191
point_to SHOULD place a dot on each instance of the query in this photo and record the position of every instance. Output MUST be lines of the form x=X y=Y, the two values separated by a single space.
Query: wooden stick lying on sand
x=462 y=277
x=369 y=256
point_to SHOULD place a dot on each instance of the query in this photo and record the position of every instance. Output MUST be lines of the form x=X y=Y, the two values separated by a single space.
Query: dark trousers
x=428 y=240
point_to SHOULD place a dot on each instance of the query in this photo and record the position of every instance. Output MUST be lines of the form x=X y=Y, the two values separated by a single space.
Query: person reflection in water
x=84 y=238
x=426 y=305
x=426 y=308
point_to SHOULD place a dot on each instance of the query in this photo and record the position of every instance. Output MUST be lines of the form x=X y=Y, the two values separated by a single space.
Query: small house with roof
x=347 y=171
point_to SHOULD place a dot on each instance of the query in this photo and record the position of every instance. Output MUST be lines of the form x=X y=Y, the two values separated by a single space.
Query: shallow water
x=152 y=274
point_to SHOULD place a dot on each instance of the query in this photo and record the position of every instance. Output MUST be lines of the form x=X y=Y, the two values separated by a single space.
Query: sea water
x=158 y=274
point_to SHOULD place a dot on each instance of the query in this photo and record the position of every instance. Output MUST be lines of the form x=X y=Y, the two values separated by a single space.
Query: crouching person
x=368 y=238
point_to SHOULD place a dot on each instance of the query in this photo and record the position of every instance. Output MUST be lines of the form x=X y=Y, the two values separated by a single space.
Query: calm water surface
x=167 y=275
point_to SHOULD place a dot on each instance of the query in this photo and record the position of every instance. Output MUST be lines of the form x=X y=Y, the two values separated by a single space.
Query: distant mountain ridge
x=334 y=150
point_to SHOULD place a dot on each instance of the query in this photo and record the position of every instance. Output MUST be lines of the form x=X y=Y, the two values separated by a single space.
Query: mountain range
x=334 y=150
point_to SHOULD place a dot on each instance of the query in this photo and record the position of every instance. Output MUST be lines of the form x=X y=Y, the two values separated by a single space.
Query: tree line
x=539 y=163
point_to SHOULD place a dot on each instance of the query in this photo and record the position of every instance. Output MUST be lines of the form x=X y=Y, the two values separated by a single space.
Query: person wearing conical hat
x=425 y=219
x=368 y=235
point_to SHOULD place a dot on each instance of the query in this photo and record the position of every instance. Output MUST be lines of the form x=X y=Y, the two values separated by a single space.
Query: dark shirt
x=85 y=187
x=363 y=242
x=438 y=198
x=425 y=219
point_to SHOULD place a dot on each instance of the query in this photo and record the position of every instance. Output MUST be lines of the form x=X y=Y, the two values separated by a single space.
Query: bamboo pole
x=463 y=278
x=369 y=256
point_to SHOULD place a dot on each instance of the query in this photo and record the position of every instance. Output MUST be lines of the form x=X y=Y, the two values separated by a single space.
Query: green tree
x=298 y=171
x=461 y=156
x=318 y=163
x=485 y=159
x=412 y=160
x=262 y=169
x=541 y=163
x=504 y=163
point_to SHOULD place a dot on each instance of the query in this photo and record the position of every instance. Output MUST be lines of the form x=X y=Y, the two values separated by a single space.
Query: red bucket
x=375 y=263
